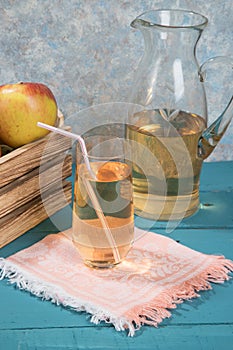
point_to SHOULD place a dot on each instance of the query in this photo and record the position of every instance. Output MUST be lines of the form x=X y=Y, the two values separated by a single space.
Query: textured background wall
x=86 y=52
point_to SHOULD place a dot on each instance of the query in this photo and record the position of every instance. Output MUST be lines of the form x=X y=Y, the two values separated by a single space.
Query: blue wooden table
x=26 y=322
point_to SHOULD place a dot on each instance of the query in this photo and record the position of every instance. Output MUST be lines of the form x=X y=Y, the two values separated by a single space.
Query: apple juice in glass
x=103 y=203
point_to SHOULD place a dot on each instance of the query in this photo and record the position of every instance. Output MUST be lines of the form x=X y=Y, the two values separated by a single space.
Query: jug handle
x=213 y=133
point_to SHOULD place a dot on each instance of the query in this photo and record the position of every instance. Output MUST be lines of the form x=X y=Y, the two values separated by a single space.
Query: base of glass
x=101 y=264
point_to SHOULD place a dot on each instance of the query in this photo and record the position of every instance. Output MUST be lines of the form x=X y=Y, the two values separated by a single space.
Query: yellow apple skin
x=22 y=105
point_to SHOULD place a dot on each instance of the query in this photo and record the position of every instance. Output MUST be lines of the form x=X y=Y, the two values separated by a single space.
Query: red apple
x=22 y=105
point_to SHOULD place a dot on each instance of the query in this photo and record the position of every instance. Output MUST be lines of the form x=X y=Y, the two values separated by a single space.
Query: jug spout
x=213 y=134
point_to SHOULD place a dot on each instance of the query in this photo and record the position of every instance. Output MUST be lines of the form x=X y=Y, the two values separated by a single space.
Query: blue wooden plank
x=201 y=337
x=217 y=176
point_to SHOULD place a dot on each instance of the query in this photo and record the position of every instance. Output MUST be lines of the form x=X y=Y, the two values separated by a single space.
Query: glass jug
x=169 y=131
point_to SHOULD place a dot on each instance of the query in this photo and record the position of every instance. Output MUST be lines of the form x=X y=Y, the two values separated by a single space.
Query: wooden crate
x=24 y=201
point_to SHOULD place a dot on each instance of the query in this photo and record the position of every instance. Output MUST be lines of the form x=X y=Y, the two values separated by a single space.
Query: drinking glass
x=103 y=216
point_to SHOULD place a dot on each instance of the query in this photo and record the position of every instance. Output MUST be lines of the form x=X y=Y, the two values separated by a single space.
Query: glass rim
x=147 y=23
x=108 y=156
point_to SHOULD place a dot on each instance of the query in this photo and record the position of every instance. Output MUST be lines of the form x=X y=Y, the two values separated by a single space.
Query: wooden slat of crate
x=27 y=187
x=32 y=213
x=22 y=160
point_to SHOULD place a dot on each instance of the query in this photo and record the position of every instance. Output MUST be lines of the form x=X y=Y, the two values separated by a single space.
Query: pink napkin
x=157 y=274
